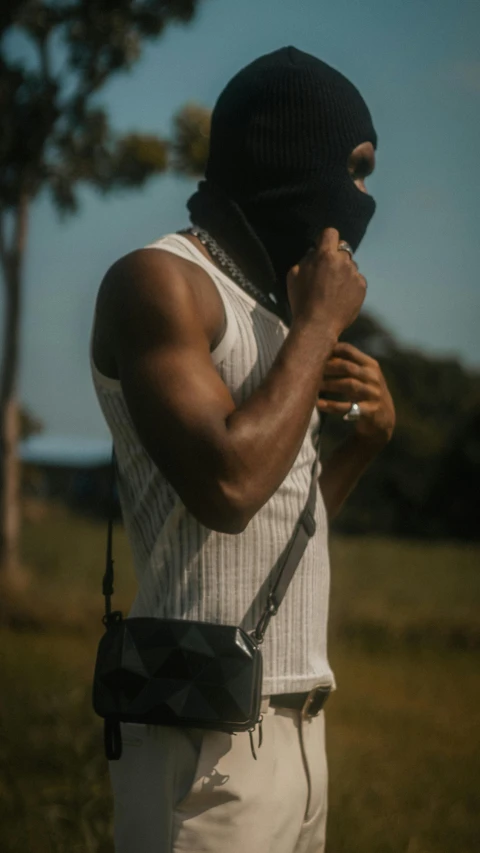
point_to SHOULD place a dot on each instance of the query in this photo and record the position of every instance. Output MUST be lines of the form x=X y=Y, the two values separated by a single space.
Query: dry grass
x=386 y=592
x=404 y=752
x=403 y=727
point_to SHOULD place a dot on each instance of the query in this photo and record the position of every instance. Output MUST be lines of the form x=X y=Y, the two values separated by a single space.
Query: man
x=209 y=351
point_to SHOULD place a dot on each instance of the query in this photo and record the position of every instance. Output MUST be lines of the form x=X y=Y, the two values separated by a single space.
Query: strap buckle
x=112 y=618
x=271 y=609
x=315 y=701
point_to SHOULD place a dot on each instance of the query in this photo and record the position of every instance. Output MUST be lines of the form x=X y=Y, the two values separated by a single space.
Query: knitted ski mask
x=281 y=133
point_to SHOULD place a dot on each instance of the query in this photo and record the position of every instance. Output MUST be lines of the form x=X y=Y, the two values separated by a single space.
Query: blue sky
x=417 y=64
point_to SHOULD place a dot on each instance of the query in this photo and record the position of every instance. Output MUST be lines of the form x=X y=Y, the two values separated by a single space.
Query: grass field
x=403 y=728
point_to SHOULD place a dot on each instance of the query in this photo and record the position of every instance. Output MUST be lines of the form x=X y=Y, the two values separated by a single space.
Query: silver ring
x=343 y=246
x=354 y=413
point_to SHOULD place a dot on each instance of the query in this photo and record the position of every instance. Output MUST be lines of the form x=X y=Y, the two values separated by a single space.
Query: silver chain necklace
x=230 y=267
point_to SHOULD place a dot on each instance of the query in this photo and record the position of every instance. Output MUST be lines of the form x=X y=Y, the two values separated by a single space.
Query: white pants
x=201 y=791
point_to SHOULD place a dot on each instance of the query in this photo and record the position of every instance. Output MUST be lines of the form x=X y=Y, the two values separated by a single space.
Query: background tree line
x=425 y=482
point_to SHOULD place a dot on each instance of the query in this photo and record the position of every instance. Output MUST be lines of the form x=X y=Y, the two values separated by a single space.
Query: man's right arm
x=224 y=461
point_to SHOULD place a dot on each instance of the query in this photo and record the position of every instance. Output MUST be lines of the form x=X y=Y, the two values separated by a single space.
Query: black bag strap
x=107 y=583
x=293 y=553
x=290 y=559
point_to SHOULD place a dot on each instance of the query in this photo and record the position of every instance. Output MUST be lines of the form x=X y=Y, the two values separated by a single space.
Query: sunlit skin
x=361 y=164
x=350 y=374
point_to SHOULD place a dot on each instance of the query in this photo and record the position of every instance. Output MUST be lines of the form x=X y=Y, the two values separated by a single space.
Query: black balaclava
x=281 y=133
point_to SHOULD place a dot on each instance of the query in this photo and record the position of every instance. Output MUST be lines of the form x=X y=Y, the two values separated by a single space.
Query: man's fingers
x=351 y=389
x=338 y=367
x=343 y=367
x=335 y=407
x=351 y=353
x=328 y=239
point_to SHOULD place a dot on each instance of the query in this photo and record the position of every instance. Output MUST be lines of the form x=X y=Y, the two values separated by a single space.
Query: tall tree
x=54 y=135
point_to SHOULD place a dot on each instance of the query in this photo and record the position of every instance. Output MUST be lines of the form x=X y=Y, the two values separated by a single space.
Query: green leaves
x=50 y=133
x=136 y=158
x=422 y=484
x=90 y=152
x=190 y=143
x=28 y=113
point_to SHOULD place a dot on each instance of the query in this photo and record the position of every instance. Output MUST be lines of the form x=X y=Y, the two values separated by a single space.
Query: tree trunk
x=11 y=575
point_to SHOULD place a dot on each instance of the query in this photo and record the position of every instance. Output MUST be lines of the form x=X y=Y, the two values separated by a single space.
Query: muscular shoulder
x=159 y=293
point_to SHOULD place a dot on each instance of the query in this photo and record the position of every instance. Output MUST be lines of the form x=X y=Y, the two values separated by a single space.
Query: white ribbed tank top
x=185 y=570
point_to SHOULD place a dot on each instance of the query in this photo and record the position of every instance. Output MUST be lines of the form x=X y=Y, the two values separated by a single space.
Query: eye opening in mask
x=361 y=161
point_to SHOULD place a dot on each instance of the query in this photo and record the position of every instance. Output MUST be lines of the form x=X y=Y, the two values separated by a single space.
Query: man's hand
x=326 y=285
x=358 y=378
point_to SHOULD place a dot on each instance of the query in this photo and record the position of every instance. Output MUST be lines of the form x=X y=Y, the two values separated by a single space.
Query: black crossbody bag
x=176 y=672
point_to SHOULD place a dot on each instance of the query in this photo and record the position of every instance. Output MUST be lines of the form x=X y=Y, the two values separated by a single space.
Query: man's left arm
x=358 y=378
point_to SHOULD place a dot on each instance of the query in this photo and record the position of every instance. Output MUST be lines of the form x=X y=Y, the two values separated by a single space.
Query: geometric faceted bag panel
x=173 y=671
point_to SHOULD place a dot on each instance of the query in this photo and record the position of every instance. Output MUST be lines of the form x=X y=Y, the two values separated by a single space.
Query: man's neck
x=203 y=249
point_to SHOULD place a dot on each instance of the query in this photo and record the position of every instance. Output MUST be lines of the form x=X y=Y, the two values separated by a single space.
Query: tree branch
x=20 y=230
x=85 y=90
x=3 y=248
x=44 y=59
